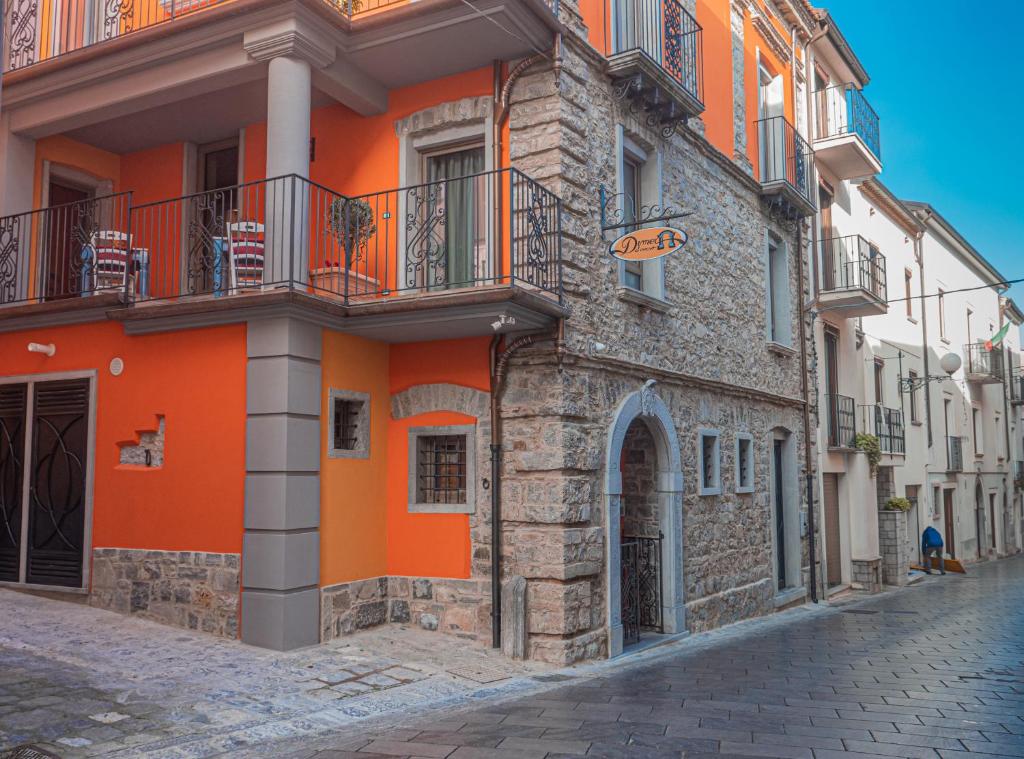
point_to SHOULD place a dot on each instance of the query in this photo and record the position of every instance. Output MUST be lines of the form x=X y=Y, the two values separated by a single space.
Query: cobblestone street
x=934 y=670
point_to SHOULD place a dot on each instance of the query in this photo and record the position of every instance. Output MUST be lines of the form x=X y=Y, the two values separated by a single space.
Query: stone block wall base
x=193 y=590
x=894 y=546
x=454 y=607
x=867 y=574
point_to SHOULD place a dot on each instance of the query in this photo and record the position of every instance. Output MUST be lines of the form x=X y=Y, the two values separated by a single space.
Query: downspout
x=1007 y=377
x=919 y=255
x=805 y=392
x=499 y=367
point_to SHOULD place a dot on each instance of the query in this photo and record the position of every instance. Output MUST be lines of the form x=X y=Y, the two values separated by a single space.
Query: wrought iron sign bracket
x=617 y=207
x=648 y=101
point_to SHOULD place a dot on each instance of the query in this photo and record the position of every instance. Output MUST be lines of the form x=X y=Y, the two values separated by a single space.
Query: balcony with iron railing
x=846 y=135
x=852 y=277
x=954 y=453
x=487 y=246
x=656 y=59
x=43 y=30
x=785 y=167
x=841 y=421
x=983 y=365
x=886 y=424
x=1017 y=390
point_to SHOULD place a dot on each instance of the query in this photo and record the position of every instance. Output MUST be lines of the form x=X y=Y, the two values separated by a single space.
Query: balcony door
x=770 y=109
x=447 y=246
x=65 y=236
x=829 y=255
x=832 y=384
x=209 y=213
x=638 y=27
x=947 y=513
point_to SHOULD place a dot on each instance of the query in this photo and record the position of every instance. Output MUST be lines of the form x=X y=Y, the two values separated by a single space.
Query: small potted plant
x=898 y=503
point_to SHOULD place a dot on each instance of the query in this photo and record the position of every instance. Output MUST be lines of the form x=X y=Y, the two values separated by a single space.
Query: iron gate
x=641 y=587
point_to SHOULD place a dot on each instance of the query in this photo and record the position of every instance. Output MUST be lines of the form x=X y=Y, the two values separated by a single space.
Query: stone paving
x=932 y=671
x=79 y=681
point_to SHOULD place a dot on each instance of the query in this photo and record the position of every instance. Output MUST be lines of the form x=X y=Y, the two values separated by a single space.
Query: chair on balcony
x=111 y=255
x=246 y=254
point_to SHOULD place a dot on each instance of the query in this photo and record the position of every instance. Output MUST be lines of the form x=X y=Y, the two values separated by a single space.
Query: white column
x=288 y=105
x=17 y=170
x=287 y=226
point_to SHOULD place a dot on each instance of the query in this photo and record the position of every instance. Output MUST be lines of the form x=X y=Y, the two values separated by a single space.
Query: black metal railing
x=493 y=228
x=666 y=32
x=886 y=424
x=1018 y=472
x=841 y=413
x=37 y=30
x=75 y=249
x=784 y=156
x=843 y=109
x=954 y=454
x=1017 y=389
x=852 y=263
x=979 y=361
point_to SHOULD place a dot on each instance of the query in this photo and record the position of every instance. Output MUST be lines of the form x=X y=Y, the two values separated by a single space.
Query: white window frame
x=745 y=440
x=715 y=488
x=783 y=336
x=362 y=448
x=469 y=507
x=650 y=165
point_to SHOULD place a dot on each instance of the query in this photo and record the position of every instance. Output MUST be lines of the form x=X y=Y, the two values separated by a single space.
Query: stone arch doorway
x=643 y=454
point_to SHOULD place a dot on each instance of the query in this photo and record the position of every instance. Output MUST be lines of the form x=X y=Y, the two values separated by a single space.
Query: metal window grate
x=708 y=443
x=441 y=469
x=346 y=424
x=745 y=475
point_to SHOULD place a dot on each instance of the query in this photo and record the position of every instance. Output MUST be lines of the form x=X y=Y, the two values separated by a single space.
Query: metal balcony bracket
x=619 y=213
x=650 y=102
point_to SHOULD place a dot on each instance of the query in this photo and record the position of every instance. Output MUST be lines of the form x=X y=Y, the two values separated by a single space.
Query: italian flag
x=997 y=338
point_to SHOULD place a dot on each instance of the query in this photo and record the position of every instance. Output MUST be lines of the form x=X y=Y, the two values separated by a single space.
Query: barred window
x=350 y=424
x=708 y=463
x=442 y=469
x=744 y=463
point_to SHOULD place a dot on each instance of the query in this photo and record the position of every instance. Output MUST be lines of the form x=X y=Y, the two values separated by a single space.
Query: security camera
x=503 y=320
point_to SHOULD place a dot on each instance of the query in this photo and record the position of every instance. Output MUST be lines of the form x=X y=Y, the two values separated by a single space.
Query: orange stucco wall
x=353 y=511
x=717 y=39
x=366 y=528
x=195 y=380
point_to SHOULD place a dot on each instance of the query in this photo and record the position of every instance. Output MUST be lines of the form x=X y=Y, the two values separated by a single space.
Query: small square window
x=350 y=425
x=442 y=469
x=709 y=463
x=744 y=463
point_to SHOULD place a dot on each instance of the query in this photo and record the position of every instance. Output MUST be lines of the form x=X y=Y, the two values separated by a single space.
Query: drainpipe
x=919 y=256
x=805 y=392
x=499 y=368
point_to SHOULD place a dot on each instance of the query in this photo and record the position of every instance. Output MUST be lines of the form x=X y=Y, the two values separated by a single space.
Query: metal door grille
x=13 y=400
x=56 y=511
x=641 y=587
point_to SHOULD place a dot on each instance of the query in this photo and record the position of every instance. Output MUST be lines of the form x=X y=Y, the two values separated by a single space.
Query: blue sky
x=945 y=81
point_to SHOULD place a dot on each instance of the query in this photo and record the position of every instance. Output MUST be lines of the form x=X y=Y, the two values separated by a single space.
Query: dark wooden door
x=828 y=253
x=56 y=512
x=12 y=471
x=947 y=512
x=780 y=516
x=64 y=243
x=834 y=559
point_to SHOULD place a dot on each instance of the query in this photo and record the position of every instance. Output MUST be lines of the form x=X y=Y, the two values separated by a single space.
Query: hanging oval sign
x=648 y=244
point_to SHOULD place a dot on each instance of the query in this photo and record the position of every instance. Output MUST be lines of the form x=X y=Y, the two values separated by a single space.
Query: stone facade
x=197 y=591
x=705 y=345
x=455 y=607
x=894 y=546
x=151 y=444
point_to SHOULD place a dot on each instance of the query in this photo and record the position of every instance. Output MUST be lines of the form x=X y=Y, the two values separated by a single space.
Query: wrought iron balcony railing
x=784 y=157
x=38 y=30
x=983 y=365
x=1017 y=389
x=887 y=425
x=495 y=228
x=954 y=454
x=852 y=263
x=843 y=109
x=666 y=33
x=841 y=413
x=64 y=251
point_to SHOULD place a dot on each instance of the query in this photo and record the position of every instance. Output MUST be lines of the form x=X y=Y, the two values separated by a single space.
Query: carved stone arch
x=648 y=407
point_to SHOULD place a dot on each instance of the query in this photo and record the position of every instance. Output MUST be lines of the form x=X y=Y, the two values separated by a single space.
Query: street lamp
x=950 y=364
